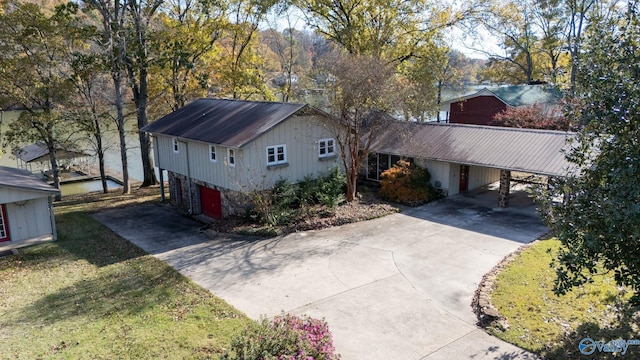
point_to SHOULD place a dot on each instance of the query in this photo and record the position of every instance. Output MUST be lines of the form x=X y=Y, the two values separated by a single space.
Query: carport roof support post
x=505 y=184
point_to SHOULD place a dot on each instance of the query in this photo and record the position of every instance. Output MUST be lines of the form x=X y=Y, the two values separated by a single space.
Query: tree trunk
x=97 y=134
x=126 y=187
x=55 y=170
x=439 y=98
x=149 y=175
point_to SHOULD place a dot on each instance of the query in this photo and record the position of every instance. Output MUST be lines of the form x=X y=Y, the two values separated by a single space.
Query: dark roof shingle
x=233 y=123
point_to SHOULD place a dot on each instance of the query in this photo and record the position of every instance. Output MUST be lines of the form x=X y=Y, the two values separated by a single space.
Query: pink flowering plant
x=285 y=337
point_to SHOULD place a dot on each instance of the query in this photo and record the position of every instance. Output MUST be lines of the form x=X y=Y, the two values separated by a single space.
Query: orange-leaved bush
x=408 y=184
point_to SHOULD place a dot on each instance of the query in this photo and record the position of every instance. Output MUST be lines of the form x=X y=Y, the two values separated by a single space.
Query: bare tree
x=363 y=91
x=113 y=40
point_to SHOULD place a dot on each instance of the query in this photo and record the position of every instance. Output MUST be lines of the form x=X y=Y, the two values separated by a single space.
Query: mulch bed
x=314 y=218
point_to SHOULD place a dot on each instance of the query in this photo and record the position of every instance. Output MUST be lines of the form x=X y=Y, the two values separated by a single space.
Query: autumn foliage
x=408 y=184
x=534 y=116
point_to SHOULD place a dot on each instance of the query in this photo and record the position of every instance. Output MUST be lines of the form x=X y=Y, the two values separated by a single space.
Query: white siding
x=217 y=173
x=300 y=134
x=439 y=172
x=29 y=220
x=166 y=158
x=480 y=176
x=8 y=195
x=454 y=179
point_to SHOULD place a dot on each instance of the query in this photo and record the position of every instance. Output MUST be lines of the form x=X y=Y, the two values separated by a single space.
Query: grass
x=552 y=326
x=94 y=295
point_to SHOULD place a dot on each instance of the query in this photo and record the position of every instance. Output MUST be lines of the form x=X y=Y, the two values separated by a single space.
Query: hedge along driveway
x=398 y=287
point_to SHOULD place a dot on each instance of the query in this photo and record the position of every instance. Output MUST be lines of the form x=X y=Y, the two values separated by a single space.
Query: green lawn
x=93 y=295
x=553 y=326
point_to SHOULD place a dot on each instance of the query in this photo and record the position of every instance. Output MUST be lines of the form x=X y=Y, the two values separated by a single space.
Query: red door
x=464 y=178
x=4 y=226
x=211 y=202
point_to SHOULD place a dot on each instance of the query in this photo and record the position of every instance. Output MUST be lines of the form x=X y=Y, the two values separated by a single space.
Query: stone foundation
x=505 y=185
x=185 y=195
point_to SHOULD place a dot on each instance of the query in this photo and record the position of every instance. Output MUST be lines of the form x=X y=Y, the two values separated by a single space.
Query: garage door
x=211 y=202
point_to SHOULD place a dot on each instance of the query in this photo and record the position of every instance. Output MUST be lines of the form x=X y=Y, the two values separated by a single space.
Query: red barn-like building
x=480 y=107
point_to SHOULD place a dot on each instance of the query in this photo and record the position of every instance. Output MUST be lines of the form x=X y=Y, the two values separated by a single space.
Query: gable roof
x=40 y=152
x=526 y=150
x=233 y=123
x=516 y=95
x=22 y=179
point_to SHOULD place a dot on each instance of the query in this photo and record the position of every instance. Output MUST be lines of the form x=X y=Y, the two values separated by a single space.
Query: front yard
x=93 y=295
x=539 y=321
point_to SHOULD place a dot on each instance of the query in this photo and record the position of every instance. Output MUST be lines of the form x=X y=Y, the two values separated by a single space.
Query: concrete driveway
x=398 y=287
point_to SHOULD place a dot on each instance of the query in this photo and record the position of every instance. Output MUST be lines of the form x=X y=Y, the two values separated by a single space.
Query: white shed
x=26 y=209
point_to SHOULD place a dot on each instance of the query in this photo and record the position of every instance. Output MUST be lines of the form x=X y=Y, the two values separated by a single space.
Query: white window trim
x=231 y=156
x=215 y=153
x=275 y=153
x=174 y=145
x=326 y=146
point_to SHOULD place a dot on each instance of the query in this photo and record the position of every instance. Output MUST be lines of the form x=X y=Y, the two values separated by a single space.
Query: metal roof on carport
x=527 y=150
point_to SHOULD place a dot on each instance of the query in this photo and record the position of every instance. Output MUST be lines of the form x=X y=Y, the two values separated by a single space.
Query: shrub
x=286 y=201
x=276 y=206
x=331 y=188
x=287 y=337
x=408 y=184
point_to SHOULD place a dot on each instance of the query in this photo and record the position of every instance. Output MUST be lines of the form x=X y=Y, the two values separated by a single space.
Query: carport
x=461 y=158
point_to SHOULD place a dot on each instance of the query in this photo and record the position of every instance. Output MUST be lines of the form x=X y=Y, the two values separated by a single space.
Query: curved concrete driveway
x=397 y=287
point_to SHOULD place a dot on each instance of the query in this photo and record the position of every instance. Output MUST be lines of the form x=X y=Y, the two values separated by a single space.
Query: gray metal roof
x=233 y=123
x=22 y=179
x=40 y=152
x=527 y=150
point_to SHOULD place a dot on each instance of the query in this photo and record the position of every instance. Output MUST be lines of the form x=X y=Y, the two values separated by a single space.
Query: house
x=465 y=157
x=26 y=209
x=480 y=107
x=216 y=151
x=38 y=153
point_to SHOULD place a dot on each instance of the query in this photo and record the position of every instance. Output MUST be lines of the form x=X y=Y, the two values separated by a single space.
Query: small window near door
x=326 y=148
x=231 y=157
x=212 y=153
x=174 y=142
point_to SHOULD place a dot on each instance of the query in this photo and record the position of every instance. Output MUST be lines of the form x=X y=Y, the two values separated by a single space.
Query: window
x=326 y=148
x=174 y=141
x=379 y=163
x=276 y=155
x=212 y=153
x=3 y=230
x=231 y=157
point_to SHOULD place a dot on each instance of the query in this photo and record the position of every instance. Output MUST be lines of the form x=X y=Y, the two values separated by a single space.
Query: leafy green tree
x=34 y=73
x=185 y=45
x=513 y=24
x=598 y=220
x=239 y=65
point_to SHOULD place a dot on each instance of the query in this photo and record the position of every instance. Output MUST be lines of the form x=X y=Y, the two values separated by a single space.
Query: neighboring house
x=216 y=150
x=26 y=209
x=38 y=153
x=480 y=107
x=464 y=157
